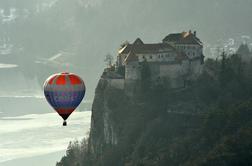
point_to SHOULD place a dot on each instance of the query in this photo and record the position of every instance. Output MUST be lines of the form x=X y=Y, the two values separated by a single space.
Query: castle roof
x=183 y=38
x=138 y=41
x=138 y=47
x=181 y=56
x=131 y=57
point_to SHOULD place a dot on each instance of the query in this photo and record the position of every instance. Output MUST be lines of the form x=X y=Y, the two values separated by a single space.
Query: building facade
x=178 y=58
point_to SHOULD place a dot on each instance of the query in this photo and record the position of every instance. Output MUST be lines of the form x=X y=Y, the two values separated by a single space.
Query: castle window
x=150 y=56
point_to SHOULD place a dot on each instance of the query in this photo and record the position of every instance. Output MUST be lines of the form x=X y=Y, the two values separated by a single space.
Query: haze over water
x=42 y=37
x=39 y=134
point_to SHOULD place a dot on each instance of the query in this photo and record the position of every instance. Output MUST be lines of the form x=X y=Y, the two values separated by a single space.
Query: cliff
x=119 y=121
x=208 y=123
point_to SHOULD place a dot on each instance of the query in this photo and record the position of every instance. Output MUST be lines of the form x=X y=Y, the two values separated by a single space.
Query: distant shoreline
x=38 y=137
x=13 y=117
x=13 y=106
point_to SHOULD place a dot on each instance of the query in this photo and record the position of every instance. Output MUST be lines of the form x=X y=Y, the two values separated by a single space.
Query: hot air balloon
x=64 y=92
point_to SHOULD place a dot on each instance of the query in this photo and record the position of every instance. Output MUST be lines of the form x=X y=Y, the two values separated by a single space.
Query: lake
x=29 y=128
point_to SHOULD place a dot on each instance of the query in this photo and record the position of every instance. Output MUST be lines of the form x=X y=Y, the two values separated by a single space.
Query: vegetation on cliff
x=208 y=123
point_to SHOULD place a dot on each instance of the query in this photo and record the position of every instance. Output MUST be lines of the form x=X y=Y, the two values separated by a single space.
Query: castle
x=179 y=58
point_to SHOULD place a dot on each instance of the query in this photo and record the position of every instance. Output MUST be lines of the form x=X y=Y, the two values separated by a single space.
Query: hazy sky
x=84 y=31
x=41 y=37
x=39 y=134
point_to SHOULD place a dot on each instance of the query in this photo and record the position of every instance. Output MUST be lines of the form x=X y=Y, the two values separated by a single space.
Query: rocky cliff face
x=208 y=123
x=102 y=130
x=120 y=122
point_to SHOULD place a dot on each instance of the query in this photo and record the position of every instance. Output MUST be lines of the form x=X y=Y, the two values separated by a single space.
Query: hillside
x=208 y=123
x=83 y=31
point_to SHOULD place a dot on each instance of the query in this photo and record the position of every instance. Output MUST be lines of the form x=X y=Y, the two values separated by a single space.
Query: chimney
x=195 y=33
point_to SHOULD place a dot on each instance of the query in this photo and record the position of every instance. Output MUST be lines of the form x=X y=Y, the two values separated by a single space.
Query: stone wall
x=116 y=83
x=195 y=68
x=174 y=73
x=132 y=71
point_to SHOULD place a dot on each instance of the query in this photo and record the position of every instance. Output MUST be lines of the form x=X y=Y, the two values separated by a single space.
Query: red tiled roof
x=146 y=48
x=131 y=57
x=138 y=47
x=138 y=41
x=183 y=38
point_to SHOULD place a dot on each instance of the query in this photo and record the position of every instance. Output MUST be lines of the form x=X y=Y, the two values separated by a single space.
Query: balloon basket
x=64 y=123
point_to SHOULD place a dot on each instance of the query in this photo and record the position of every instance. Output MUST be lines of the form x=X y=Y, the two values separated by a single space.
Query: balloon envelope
x=64 y=92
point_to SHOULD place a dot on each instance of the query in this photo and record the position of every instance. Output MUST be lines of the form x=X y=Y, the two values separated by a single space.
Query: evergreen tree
x=145 y=76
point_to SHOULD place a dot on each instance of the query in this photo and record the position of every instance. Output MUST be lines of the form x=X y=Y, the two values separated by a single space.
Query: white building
x=178 y=57
x=191 y=45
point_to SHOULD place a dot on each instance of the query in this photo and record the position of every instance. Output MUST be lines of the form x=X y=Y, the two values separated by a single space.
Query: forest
x=207 y=123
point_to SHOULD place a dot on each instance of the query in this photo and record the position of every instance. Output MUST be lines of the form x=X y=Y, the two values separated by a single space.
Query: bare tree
x=109 y=60
x=124 y=44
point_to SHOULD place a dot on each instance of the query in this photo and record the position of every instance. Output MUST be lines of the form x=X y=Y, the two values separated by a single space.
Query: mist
x=42 y=37
x=80 y=33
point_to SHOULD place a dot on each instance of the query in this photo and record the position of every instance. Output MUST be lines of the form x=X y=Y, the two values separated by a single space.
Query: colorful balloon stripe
x=64 y=92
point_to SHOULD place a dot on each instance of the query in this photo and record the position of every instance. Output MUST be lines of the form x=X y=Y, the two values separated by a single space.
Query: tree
x=226 y=71
x=124 y=44
x=109 y=60
x=145 y=75
x=121 y=70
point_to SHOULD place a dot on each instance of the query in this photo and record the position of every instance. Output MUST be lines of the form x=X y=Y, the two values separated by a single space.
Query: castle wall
x=132 y=71
x=154 y=69
x=158 y=57
x=191 y=50
x=116 y=83
x=174 y=72
x=163 y=60
x=171 y=70
x=130 y=87
x=195 y=68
